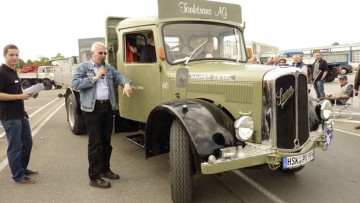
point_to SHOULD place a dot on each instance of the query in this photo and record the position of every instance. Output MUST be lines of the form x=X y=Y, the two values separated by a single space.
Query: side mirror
x=182 y=77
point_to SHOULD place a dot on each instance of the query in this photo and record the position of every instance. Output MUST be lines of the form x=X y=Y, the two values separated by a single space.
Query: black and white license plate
x=295 y=161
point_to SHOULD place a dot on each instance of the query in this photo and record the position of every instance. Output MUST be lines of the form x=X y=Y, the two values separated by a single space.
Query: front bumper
x=259 y=154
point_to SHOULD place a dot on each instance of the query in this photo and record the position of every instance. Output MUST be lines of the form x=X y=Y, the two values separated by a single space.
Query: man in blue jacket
x=95 y=81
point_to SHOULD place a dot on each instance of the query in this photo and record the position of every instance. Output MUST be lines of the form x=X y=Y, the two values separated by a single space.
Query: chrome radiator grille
x=285 y=109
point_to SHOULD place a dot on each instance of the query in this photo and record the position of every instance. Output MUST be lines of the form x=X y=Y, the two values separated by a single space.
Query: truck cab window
x=195 y=40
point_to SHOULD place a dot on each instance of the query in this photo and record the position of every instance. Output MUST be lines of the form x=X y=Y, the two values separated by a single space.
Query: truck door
x=139 y=62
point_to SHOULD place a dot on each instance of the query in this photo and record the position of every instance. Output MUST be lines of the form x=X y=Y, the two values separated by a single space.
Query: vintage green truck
x=211 y=112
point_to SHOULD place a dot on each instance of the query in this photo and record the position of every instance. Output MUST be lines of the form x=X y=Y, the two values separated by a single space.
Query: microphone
x=102 y=66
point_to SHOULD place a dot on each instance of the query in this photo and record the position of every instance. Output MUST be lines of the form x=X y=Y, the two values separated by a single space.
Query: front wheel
x=181 y=164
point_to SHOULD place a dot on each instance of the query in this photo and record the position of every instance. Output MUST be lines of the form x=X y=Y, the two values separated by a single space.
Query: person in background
x=319 y=73
x=276 y=60
x=271 y=61
x=343 y=93
x=207 y=51
x=356 y=87
x=299 y=64
x=148 y=54
x=14 y=118
x=357 y=82
x=94 y=79
x=282 y=61
x=253 y=60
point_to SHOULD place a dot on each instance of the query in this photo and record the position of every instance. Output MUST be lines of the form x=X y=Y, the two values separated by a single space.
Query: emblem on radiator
x=283 y=97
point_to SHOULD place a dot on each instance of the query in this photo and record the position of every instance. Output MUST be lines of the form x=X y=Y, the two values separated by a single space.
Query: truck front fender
x=208 y=127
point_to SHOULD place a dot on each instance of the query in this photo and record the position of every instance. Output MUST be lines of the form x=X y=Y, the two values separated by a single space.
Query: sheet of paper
x=34 y=89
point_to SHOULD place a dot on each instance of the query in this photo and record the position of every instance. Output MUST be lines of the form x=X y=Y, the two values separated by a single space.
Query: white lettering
x=184 y=8
x=165 y=85
x=222 y=12
x=212 y=77
x=284 y=97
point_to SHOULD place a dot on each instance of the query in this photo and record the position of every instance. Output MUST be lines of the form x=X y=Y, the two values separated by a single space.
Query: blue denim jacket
x=83 y=81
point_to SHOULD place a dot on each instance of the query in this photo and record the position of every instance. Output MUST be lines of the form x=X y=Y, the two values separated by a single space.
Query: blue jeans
x=18 y=134
x=319 y=88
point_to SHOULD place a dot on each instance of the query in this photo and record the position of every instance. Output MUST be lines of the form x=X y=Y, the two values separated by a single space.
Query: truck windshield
x=199 y=41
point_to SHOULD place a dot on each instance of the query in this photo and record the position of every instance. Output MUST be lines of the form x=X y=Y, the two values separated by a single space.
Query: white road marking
x=4 y=163
x=37 y=111
x=346 y=121
x=351 y=133
x=259 y=187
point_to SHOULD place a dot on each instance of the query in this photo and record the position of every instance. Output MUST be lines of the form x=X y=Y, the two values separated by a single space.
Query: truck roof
x=191 y=10
x=137 y=21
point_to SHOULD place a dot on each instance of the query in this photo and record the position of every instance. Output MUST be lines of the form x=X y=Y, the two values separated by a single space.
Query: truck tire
x=75 y=120
x=344 y=71
x=25 y=84
x=181 y=164
x=47 y=84
x=332 y=74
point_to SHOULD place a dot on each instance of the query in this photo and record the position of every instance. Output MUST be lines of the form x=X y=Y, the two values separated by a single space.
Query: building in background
x=257 y=49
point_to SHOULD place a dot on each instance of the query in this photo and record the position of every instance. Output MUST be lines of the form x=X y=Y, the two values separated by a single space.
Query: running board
x=138 y=139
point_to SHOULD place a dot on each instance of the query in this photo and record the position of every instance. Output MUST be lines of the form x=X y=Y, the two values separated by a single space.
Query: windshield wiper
x=190 y=55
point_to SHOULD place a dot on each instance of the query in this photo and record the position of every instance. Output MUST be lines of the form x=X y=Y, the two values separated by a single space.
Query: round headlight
x=326 y=109
x=244 y=128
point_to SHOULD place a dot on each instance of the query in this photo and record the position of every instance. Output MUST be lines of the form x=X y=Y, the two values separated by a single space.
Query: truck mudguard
x=208 y=127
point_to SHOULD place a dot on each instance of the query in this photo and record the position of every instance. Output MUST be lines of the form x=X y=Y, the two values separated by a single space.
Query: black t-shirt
x=10 y=84
x=322 y=68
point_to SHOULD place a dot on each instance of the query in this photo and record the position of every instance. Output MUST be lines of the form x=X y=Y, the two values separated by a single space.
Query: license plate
x=295 y=161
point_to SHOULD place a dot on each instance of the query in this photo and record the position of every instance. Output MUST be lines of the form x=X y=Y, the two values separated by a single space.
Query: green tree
x=42 y=61
x=29 y=62
x=58 y=56
x=20 y=64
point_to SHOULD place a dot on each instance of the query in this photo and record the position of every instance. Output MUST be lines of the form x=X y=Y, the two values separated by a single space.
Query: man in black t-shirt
x=14 y=118
x=319 y=73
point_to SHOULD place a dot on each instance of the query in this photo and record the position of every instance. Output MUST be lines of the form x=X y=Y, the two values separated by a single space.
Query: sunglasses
x=102 y=53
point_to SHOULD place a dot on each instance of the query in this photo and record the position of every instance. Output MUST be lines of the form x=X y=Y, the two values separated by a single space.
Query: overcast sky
x=47 y=27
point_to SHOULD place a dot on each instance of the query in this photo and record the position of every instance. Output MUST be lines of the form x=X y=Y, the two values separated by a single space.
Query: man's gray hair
x=95 y=44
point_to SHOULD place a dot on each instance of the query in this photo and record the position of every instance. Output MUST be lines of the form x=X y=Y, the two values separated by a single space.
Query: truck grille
x=285 y=110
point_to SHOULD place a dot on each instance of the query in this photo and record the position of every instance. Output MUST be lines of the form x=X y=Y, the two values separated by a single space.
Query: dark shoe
x=26 y=179
x=357 y=127
x=100 y=183
x=30 y=172
x=110 y=175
